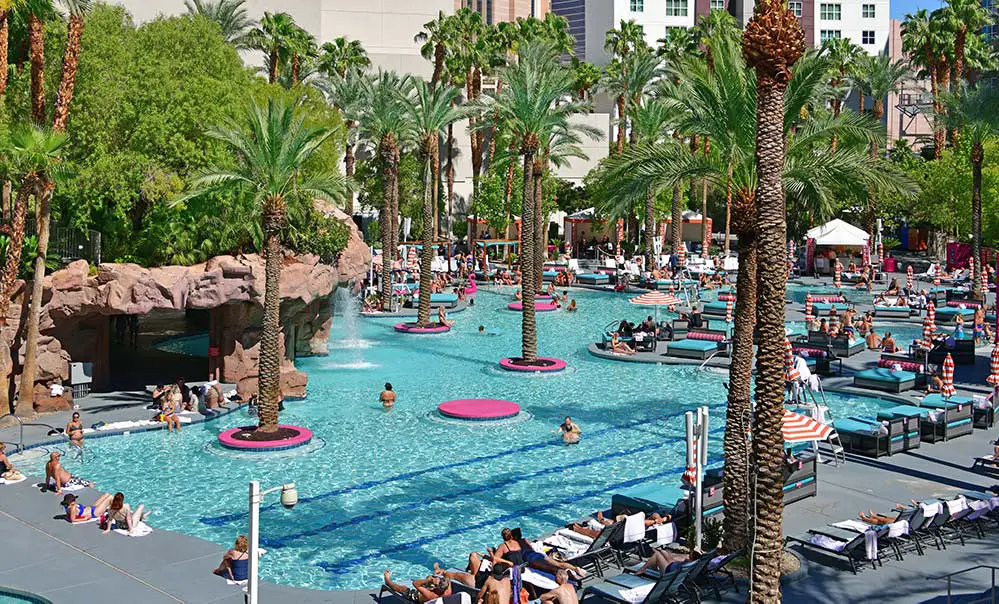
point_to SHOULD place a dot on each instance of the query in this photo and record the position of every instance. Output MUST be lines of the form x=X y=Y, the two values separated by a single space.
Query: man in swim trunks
x=423 y=590
x=565 y=593
x=57 y=474
x=387 y=397
x=497 y=588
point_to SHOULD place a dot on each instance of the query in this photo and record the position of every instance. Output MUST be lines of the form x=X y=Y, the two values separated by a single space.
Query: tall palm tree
x=76 y=10
x=35 y=13
x=272 y=146
x=274 y=36
x=917 y=43
x=881 y=77
x=302 y=47
x=229 y=15
x=587 y=77
x=431 y=108
x=6 y=8
x=473 y=50
x=651 y=122
x=629 y=38
x=976 y=113
x=348 y=93
x=41 y=154
x=843 y=56
x=531 y=105
x=343 y=55
x=434 y=39
x=969 y=16
x=771 y=44
x=386 y=128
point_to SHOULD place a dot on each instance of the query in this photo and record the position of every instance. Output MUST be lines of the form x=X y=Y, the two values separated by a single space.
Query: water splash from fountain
x=347 y=313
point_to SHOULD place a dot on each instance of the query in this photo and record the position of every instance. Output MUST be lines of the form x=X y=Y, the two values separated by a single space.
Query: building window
x=717 y=5
x=676 y=8
x=830 y=34
x=867 y=37
x=637 y=6
x=795 y=8
x=867 y=11
x=830 y=12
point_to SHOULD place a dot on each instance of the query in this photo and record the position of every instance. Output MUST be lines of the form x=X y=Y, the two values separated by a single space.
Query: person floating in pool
x=572 y=306
x=570 y=431
x=387 y=397
x=487 y=332
x=442 y=317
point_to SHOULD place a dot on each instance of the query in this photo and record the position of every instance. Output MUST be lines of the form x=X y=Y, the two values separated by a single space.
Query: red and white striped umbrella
x=881 y=253
x=931 y=314
x=791 y=248
x=411 y=262
x=798 y=428
x=620 y=236
x=681 y=255
x=948 y=389
x=728 y=311
x=936 y=278
x=706 y=244
x=985 y=280
x=928 y=328
x=833 y=319
x=866 y=256
x=672 y=288
x=971 y=265
x=655 y=299
x=838 y=274
x=790 y=373
x=994 y=370
x=809 y=317
x=908 y=277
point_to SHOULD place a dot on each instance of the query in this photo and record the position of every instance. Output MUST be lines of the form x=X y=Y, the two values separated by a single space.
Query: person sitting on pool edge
x=77 y=512
x=387 y=397
x=121 y=515
x=235 y=564
x=54 y=472
x=442 y=317
x=423 y=590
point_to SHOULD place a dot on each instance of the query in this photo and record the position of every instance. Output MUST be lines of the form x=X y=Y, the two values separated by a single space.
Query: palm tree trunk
x=70 y=64
x=348 y=160
x=943 y=83
x=384 y=217
x=768 y=442
x=36 y=45
x=4 y=49
x=539 y=225
x=650 y=229
x=272 y=66
x=737 y=416
x=677 y=218
x=435 y=185
x=704 y=216
x=43 y=198
x=861 y=101
x=296 y=67
x=396 y=224
x=450 y=179
x=427 y=253
x=528 y=287
x=508 y=192
x=12 y=261
x=871 y=201
x=270 y=332
x=728 y=211
x=977 y=157
x=621 y=124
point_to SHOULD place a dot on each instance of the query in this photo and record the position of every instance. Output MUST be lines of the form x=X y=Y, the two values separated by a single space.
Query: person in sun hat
x=77 y=512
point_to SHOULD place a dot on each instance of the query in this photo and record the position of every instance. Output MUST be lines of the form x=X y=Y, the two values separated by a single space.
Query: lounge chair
x=716 y=309
x=593 y=279
x=957 y=413
x=819 y=358
x=865 y=437
x=462 y=597
x=892 y=312
x=962 y=350
x=947 y=314
x=882 y=378
x=443 y=299
x=841 y=345
x=836 y=543
x=912 y=421
x=700 y=344
x=600 y=553
x=630 y=589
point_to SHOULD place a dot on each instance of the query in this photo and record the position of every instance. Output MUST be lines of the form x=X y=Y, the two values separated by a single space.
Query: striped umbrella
x=985 y=280
x=809 y=317
x=994 y=374
x=928 y=329
x=620 y=235
x=791 y=248
x=838 y=274
x=672 y=288
x=798 y=428
x=790 y=372
x=881 y=253
x=931 y=314
x=706 y=244
x=656 y=299
x=833 y=319
x=908 y=277
x=971 y=265
x=681 y=255
x=866 y=256
x=728 y=311
x=947 y=390
x=936 y=278
x=411 y=262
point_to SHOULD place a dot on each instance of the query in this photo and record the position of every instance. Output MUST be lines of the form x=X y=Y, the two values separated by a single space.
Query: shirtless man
x=56 y=473
x=423 y=590
x=497 y=589
x=387 y=397
x=565 y=593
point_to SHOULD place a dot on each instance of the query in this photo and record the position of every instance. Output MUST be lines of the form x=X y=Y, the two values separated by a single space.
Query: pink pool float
x=247 y=438
x=541 y=365
x=479 y=409
x=416 y=329
x=538 y=306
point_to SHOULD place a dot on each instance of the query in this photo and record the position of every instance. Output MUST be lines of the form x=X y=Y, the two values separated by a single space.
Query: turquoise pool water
x=404 y=488
x=9 y=595
x=195 y=345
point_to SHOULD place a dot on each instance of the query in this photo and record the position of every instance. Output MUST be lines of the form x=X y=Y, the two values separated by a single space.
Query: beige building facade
x=909 y=111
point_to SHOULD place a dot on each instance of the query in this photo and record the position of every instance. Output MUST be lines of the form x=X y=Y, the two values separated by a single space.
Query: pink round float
x=544 y=364
x=479 y=409
x=286 y=437
x=414 y=328
x=538 y=307
x=542 y=297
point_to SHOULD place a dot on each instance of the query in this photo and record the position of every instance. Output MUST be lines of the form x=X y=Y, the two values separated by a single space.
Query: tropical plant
x=587 y=75
x=274 y=36
x=628 y=39
x=76 y=10
x=341 y=56
x=229 y=15
x=651 y=122
x=843 y=57
x=35 y=13
x=348 y=93
x=881 y=77
x=272 y=145
x=968 y=16
x=434 y=39
x=431 y=108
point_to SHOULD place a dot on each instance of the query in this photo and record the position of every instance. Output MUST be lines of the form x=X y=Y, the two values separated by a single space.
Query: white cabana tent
x=835 y=239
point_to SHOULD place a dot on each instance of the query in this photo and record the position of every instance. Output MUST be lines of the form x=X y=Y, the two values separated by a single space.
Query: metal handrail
x=21 y=425
x=950 y=577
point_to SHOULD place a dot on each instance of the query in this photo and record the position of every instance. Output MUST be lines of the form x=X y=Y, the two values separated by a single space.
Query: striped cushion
x=906 y=365
x=711 y=337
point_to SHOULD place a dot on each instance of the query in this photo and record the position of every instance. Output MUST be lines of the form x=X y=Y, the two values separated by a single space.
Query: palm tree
x=70 y=61
x=40 y=154
x=968 y=16
x=6 y=8
x=976 y=114
x=302 y=47
x=587 y=76
x=386 y=128
x=230 y=15
x=342 y=55
x=651 y=123
x=348 y=93
x=917 y=42
x=628 y=39
x=531 y=106
x=431 y=108
x=843 y=56
x=36 y=12
x=272 y=146
x=771 y=44
x=274 y=37
x=881 y=77
x=434 y=39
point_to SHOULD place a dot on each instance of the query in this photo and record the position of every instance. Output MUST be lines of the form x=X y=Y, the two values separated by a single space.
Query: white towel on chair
x=956 y=505
x=871 y=544
x=574 y=536
x=931 y=509
x=897 y=529
x=993 y=503
x=665 y=533
x=636 y=594
x=852 y=525
x=141 y=530
x=634 y=527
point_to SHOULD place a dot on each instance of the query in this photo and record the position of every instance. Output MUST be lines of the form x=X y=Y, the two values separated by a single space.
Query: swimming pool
x=404 y=488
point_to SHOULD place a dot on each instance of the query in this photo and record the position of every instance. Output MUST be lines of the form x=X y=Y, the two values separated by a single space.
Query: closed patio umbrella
x=928 y=329
x=681 y=256
x=931 y=314
x=993 y=378
x=948 y=390
x=865 y=256
x=809 y=317
x=838 y=274
x=908 y=277
x=728 y=311
x=790 y=372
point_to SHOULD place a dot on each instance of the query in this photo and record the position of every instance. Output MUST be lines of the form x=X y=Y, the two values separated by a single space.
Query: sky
x=899 y=8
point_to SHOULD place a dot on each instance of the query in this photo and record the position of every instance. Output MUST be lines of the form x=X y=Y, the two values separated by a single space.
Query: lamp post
x=289 y=497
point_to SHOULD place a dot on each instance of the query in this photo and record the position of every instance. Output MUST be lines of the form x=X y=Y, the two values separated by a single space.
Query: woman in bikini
x=517 y=551
x=170 y=408
x=979 y=325
x=74 y=430
x=77 y=512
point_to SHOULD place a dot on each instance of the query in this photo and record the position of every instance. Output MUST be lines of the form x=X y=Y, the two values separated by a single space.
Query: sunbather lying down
x=876 y=519
x=661 y=560
x=654 y=520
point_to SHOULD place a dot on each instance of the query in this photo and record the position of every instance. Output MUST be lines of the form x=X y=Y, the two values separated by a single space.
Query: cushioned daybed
x=958 y=413
x=873 y=437
x=892 y=312
x=443 y=299
x=882 y=378
x=593 y=278
x=697 y=345
x=946 y=314
x=716 y=309
x=547 y=276
x=912 y=422
x=819 y=359
x=824 y=309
